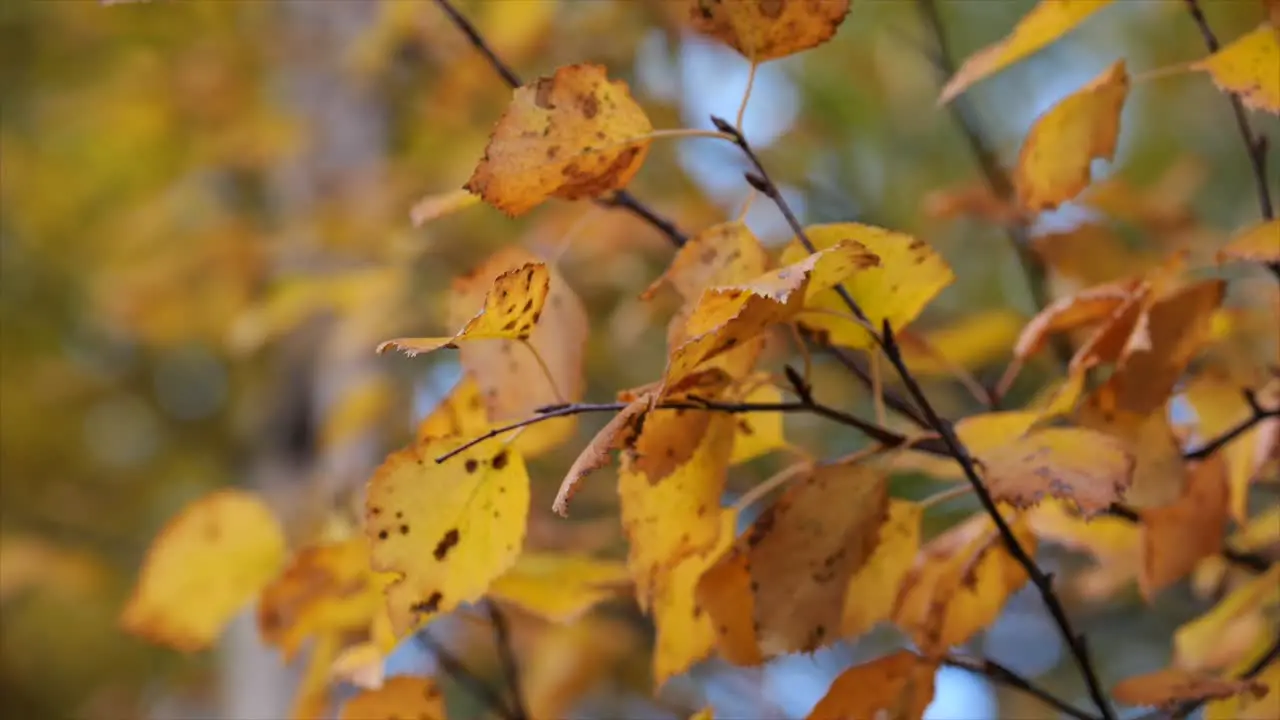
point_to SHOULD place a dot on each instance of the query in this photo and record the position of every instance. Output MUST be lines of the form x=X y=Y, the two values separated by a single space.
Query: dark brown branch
x=1002 y=675
x=1257 y=415
x=622 y=198
x=507 y=657
x=461 y=674
x=892 y=400
x=997 y=179
x=1042 y=582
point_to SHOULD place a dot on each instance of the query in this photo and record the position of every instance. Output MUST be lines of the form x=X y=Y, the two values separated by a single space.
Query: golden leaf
x=893 y=687
x=1087 y=468
x=768 y=29
x=1247 y=66
x=402 y=696
x=1260 y=243
x=724 y=254
x=559 y=587
x=1175 y=537
x=873 y=589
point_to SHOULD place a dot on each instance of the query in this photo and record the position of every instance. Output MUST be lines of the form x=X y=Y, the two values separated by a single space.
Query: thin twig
x=463 y=675
x=1001 y=674
x=620 y=199
x=997 y=179
x=507 y=656
x=1257 y=415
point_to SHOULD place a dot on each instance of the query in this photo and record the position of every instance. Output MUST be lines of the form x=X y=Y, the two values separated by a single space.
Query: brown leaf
x=1175 y=537
x=1087 y=468
x=894 y=687
x=768 y=29
x=1171 y=686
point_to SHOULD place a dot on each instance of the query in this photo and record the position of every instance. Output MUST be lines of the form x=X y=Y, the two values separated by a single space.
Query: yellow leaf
x=447 y=529
x=402 y=696
x=908 y=276
x=461 y=414
x=313 y=695
x=1260 y=243
x=1264 y=706
x=567 y=661
x=873 y=589
x=1047 y=21
x=326 y=588
x=1247 y=68
x=769 y=29
x=893 y=687
x=723 y=254
x=1053 y=166
x=669 y=488
x=804 y=549
x=511 y=309
x=685 y=634
x=729 y=315
x=970 y=342
x=959 y=583
x=979 y=433
x=436 y=206
x=1175 y=537
x=757 y=433
x=1087 y=468
x=1220 y=406
x=356 y=411
x=706 y=713
x=1170 y=687
x=1197 y=645
x=204 y=566
x=1159 y=473
x=1107 y=538
x=572 y=135
x=559 y=588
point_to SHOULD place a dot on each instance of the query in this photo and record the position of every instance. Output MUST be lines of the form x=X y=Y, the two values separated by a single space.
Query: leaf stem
x=746 y=94
x=944 y=495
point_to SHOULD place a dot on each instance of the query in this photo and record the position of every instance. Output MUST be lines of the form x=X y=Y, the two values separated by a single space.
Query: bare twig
x=461 y=674
x=997 y=179
x=1001 y=674
x=507 y=656
x=1257 y=415
x=620 y=199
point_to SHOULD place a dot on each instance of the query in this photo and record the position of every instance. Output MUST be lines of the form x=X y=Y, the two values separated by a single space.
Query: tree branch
x=1002 y=675
x=455 y=668
x=507 y=656
x=620 y=199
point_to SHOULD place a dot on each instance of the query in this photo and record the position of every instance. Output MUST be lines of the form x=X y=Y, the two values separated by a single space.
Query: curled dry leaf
x=1260 y=243
x=1171 y=686
x=204 y=566
x=616 y=434
x=448 y=530
x=559 y=588
x=511 y=308
x=1054 y=164
x=1176 y=537
x=573 y=135
x=959 y=583
x=1247 y=68
x=685 y=634
x=908 y=275
x=768 y=29
x=1087 y=468
x=1047 y=21
x=401 y=696
x=894 y=687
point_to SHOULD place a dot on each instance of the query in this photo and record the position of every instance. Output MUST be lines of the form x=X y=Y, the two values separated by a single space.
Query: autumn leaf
x=908 y=275
x=1089 y=307
x=312 y=698
x=959 y=583
x=758 y=433
x=1088 y=468
x=1220 y=406
x=401 y=696
x=615 y=435
x=980 y=434
x=894 y=687
x=1246 y=67
x=1263 y=704
x=326 y=587
x=1197 y=644
x=447 y=529
x=1047 y=21
x=1054 y=164
x=768 y=29
x=1170 y=687
x=462 y=414
x=204 y=566
x=1260 y=243
x=1177 y=536
x=573 y=135
x=724 y=254
x=511 y=309
x=970 y=342
x=559 y=587
x=873 y=588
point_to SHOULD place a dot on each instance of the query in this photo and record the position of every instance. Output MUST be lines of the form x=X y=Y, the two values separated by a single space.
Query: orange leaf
x=402 y=696
x=1087 y=468
x=1047 y=21
x=769 y=29
x=572 y=135
x=894 y=687
x=723 y=254
x=1170 y=686
x=1088 y=307
x=724 y=592
x=1260 y=243
x=1247 y=68
x=1175 y=537
x=1053 y=166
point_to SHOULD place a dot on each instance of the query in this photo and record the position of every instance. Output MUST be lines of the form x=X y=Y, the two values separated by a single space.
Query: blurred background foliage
x=205 y=231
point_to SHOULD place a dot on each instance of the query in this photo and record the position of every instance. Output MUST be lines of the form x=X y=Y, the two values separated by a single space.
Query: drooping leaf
x=1054 y=164
x=908 y=275
x=873 y=589
x=1170 y=687
x=447 y=529
x=685 y=634
x=401 y=696
x=1047 y=21
x=461 y=414
x=1087 y=468
x=560 y=587
x=1177 y=536
x=575 y=134
x=1246 y=67
x=204 y=566
x=959 y=583
x=615 y=435
x=1260 y=243
x=893 y=687
x=511 y=308
x=768 y=29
